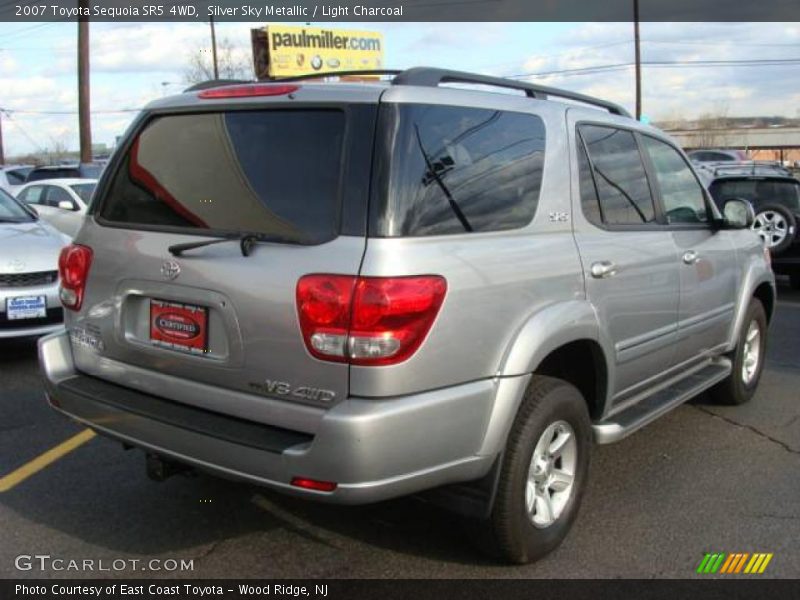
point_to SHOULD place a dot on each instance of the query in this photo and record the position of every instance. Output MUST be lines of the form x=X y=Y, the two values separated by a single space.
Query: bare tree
x=233 y=64
x=710 y=126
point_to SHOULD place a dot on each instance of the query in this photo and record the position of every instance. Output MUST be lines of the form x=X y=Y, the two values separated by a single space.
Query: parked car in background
x=29 y=250
x=67 y=171
x=13 y=176
x=775 y=196
x=717 y=155
x=60 y=202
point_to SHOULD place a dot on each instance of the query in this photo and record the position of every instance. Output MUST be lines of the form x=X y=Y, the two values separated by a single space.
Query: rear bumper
x=373 y=449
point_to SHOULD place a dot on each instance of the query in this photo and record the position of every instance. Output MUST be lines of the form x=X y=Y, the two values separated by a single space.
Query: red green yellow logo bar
x=734 y=563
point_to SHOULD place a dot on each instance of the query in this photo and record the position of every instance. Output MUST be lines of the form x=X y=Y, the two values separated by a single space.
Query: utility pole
x=214 y=48
x=638 y=53
x=84 y=108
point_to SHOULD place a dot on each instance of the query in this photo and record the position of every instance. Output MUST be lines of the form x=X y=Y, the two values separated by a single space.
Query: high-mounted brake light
x=313 y=484
x=248 y=91
x=367 y=320
x=73 y=270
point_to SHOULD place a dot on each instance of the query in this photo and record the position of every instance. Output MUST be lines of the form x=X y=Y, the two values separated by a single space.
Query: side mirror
x=738 y=213
x=66 y=205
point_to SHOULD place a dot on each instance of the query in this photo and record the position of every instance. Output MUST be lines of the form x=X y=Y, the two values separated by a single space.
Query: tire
x=551 y=407
x=740 y=385
x=777 y=227
x=794 y=280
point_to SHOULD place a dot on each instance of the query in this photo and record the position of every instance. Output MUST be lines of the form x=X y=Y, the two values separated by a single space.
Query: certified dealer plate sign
x=26 y=307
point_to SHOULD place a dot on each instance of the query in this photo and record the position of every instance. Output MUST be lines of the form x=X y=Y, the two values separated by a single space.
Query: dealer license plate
x=26 y=307
x=177 y=326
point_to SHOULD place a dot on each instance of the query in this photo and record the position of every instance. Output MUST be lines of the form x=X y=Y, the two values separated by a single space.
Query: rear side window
x=271 y=172
x=447 y=170
x=619 y=177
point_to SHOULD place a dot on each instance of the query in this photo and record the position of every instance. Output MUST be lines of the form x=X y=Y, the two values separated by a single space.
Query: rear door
x=295 y=176
x=629 y=258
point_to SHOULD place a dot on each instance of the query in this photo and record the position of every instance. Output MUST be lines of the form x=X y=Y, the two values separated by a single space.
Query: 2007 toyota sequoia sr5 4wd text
x=352 y=292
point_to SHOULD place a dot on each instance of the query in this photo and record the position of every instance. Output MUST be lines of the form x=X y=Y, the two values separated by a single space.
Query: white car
x=60 y=202
x=29 y=250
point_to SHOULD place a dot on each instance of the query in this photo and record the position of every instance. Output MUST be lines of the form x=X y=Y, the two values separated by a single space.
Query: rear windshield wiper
x=246 y=243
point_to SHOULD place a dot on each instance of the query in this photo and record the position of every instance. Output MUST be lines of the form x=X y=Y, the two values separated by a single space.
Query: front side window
x=84 y=191
x=56 y=195
x=457 y=170
x=681 y=194
x=619 y=176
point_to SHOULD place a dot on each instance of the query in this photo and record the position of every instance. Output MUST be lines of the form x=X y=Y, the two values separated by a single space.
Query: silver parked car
x=60 y=202
x=355 y=292
x=29 y=250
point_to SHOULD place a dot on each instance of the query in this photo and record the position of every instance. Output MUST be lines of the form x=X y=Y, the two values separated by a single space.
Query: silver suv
x=351 y=292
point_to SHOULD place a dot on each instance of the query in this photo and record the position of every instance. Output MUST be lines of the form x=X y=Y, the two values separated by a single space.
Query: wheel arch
x=563 y=341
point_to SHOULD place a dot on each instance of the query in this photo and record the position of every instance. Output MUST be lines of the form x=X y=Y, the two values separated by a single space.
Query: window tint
x=619 y=175
x=681 y=194
x=56 y=195
x=52 y=173
x=17 y=176
x=758 y=191
x=32 y=195
x=589 y=201
x=452 y=170
x=273 y=172
x=84 y=191
x=11 y=211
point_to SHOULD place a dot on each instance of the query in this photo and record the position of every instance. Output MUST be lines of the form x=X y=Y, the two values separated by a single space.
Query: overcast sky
x=134 y=63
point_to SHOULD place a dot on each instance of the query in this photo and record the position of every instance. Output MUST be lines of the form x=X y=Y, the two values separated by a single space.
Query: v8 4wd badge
x=284 y=388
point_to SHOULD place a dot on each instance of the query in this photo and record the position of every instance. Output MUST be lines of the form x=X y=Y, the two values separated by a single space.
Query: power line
x=667 y=64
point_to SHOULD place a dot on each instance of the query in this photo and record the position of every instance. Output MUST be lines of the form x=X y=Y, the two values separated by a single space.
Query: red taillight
x=367 y=320
x=313 y=484
x=247 y=91
x=73 y=269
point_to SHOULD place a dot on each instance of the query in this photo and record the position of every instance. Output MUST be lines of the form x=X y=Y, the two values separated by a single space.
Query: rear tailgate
x=292 y=173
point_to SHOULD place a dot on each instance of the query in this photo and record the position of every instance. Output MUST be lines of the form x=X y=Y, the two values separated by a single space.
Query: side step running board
x=622 y=424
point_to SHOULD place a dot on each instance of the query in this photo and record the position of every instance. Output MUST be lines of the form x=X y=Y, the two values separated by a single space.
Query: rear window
x=447 y=170
x=758 y=191
x=65 y=173
x=267 y=172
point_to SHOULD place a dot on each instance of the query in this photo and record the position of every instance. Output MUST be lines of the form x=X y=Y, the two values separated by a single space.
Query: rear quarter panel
x=496 y=281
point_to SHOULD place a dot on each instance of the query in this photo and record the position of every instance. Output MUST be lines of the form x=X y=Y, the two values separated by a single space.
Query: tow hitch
x=159 y=468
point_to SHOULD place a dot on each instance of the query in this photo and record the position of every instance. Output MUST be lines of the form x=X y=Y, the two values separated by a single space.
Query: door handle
x=690 y=257
x=603 y=269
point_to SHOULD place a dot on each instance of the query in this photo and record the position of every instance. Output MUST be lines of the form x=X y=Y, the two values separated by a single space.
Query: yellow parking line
x=44 y=460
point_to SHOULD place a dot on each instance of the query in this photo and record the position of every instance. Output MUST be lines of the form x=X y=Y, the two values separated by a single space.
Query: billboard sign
x=285 y=51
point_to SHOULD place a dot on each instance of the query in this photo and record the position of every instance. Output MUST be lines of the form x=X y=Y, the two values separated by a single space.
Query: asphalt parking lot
x=702 y=479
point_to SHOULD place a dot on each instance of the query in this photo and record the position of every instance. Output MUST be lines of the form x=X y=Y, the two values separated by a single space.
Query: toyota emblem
x=170 y=269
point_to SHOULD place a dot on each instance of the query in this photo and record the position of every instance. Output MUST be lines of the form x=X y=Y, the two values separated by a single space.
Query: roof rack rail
x=336 y=74
x=214 y=83
x=433 y=77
